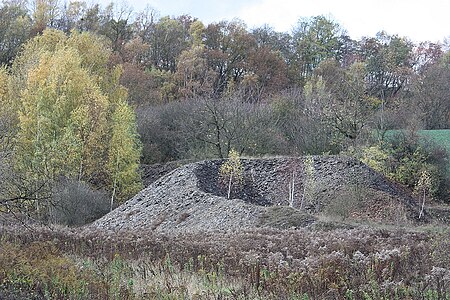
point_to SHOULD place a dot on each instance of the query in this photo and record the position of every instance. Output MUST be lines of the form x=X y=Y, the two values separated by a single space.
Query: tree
x=315 y=40
x=116 y=25
x=16 y=191
x=90 y=20
x=169 y=37
x=71 y=103
x=279 y=43
x=62 y=120
x=389 y=63
x=404 y=156
x=423 y=186
x=15 y=28
x=232 y=171
x=144 y=88
x=217 y=126
x=45 y=14
x=72 y=14
x=124 y=154
x=228 y=45
x=309 y=184
x=7 y=112
x=347 y=108
x=266 y=73
x=427 y=54
x=145 y=22
x=193 y=75
x=197 y=32
x=431 y=92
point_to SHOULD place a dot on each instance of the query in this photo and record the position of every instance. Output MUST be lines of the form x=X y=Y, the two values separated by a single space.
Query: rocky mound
x=274 y=192
x=151 y=173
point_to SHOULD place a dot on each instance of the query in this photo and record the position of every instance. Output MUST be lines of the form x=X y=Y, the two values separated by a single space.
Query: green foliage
x=408 y=166
x=8 y=108
x=124 y=154
x=62 y=119
x=404 y=158
x=73 y=115
x=440 y=137
x=375 y=157
x=15 y=27
x=389 y=63
x=342 y=94
x=315 y=40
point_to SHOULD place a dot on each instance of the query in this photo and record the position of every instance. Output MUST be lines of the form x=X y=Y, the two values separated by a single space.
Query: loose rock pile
x=193 y=198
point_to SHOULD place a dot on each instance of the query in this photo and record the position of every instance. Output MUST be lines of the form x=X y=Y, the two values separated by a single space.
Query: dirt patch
x=280 y=192
x=284 y=217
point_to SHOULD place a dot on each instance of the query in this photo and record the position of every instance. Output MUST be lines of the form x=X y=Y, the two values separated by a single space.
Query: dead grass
x=337 y=263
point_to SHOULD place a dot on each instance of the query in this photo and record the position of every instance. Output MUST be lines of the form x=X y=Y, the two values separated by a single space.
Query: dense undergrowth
x=363 y=263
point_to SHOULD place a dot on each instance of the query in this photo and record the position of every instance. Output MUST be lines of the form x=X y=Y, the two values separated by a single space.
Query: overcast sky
x=427 y=20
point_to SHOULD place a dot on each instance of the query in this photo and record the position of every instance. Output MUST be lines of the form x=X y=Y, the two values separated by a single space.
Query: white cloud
x=418 y=20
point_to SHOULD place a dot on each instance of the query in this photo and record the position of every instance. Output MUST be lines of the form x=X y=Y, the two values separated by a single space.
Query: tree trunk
x=113 y=194
x=423 y=204
x=292 y=190
x=229 y=185
x=115 y=183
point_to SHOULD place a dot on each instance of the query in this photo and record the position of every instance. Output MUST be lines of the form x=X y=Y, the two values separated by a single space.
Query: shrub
x=404 y=156
x=76 y=203
x=41 y=271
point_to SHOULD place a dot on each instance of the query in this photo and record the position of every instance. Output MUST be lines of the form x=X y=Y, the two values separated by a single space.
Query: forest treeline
x=89 y=92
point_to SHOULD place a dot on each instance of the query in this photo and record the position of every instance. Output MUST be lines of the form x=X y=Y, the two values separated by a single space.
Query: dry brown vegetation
x=330 y=263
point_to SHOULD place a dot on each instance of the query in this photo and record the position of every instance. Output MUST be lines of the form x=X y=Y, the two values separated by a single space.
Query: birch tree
x=73 y=119
x=124 y=154
x=231 y=172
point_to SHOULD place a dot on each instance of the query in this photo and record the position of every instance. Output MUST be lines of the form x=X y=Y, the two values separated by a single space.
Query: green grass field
x=440 y=137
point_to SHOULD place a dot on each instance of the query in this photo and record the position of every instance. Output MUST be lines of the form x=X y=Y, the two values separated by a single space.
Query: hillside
x=192 y=199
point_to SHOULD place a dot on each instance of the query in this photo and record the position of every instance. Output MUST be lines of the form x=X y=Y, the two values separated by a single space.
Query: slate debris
x=192 y=199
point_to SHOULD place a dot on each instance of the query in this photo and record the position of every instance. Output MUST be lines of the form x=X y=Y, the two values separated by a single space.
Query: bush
x=403 y=157
x=76 y=203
